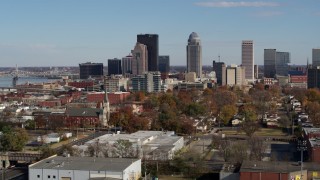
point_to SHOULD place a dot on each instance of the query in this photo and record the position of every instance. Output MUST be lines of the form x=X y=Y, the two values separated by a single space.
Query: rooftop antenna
x=219 y=57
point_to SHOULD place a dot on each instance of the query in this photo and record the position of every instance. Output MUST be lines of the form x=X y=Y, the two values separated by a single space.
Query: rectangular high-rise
x=114 y=66
x=217 y=68
x=270 y=56
x=316 y=57
x=127 y=65
x=152 y=43
x=248 y=59
x=282 y=60
x=164 y=64
x=314 y=78
x=90 y=69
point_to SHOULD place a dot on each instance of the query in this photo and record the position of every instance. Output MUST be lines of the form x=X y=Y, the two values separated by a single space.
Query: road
x=14 y=173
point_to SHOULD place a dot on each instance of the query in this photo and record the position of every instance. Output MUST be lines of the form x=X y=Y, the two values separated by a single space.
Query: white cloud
x=228 y=4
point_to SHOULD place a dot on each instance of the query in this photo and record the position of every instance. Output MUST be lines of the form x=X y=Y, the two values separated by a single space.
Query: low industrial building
x=152 y=145
x=85 y=168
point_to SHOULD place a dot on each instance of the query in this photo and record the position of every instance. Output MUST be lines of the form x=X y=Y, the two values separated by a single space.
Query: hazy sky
x=69 y=32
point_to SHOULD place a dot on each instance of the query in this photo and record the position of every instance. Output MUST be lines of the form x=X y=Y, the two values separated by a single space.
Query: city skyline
x=66 y=33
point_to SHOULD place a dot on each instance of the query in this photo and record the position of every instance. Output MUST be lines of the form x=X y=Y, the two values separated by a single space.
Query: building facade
x=313 y=78
x=217 y=67
x=233 y=75
x=127 y=65
x=194 y=54
x=164 y=64
x=248 y=59
x=84 y=168
x=315 y=57
x=140 y=59
x=114 y=66
x=270 y=63
x=148 y=82
x=152 y=43
x=282 y=60
x=90 y=69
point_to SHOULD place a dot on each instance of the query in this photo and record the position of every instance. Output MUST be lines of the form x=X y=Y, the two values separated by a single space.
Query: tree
x=13 y=139
x=67 y=149
x=314 y=113
x=46 y=151
x=249 y=127
x=227 y=112
x=194 y=109
x=257 y=148
x=123 y=149
x=239 y=152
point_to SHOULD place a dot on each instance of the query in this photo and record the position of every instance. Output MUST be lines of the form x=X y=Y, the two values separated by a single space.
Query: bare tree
x=257 y=148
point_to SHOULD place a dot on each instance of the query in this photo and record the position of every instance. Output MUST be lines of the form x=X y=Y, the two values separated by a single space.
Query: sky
x=69 y=32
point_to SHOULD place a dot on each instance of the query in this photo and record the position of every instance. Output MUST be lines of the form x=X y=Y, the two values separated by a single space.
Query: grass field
x=260 y=132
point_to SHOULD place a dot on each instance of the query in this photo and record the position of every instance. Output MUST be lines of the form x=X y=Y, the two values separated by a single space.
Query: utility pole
x=302 y=146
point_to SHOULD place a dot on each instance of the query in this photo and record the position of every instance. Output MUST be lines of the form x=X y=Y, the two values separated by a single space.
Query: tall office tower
x=114 y=66
x=282 y=60
x=152 y=43
x=139 y=59
x=164 y=64
x=217 y=67
x=316 y=57
x=270 y=63
x=90 y=69
x=248 y=59
x=127 y=64
x=314 y=78
x=194 y=54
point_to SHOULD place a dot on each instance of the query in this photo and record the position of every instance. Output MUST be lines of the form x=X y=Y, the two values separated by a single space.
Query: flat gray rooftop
x=84 y=163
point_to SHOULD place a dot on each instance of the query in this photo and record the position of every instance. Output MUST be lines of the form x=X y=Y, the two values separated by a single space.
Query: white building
x=233 y=75
x=85 y=168
x=155 y=145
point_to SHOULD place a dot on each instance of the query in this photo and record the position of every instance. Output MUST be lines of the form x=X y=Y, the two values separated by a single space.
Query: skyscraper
x=127 y=64
x=90 y=69
x=270 y=63
x=114 y=66
x=140 y=59
x=217 y=67
x=152 y=43
x=164 y=64
x=248 y=59
x=282 y=60
x=315 y=57
x=194 y=54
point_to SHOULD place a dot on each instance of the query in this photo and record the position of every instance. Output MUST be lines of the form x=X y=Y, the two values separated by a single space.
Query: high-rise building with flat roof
x=152 y=43
x=164 y=64
x=90 y=69
x=233 y=75
x=139 y=59
x=270 y=56
x=248 y=59
x=194 y=54
x=127 y=64
x=314 y=78
x=114 y=66
x=315 y=57
x=282 y=60
x=217 y=68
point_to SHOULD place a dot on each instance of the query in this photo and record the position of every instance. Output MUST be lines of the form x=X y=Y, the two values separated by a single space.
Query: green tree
x=227 y=112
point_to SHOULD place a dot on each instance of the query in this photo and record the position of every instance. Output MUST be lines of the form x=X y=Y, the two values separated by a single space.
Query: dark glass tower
x=152 y=43
x=90 y=70
x=217 y=67
x=114 y=66
x=164 y=64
